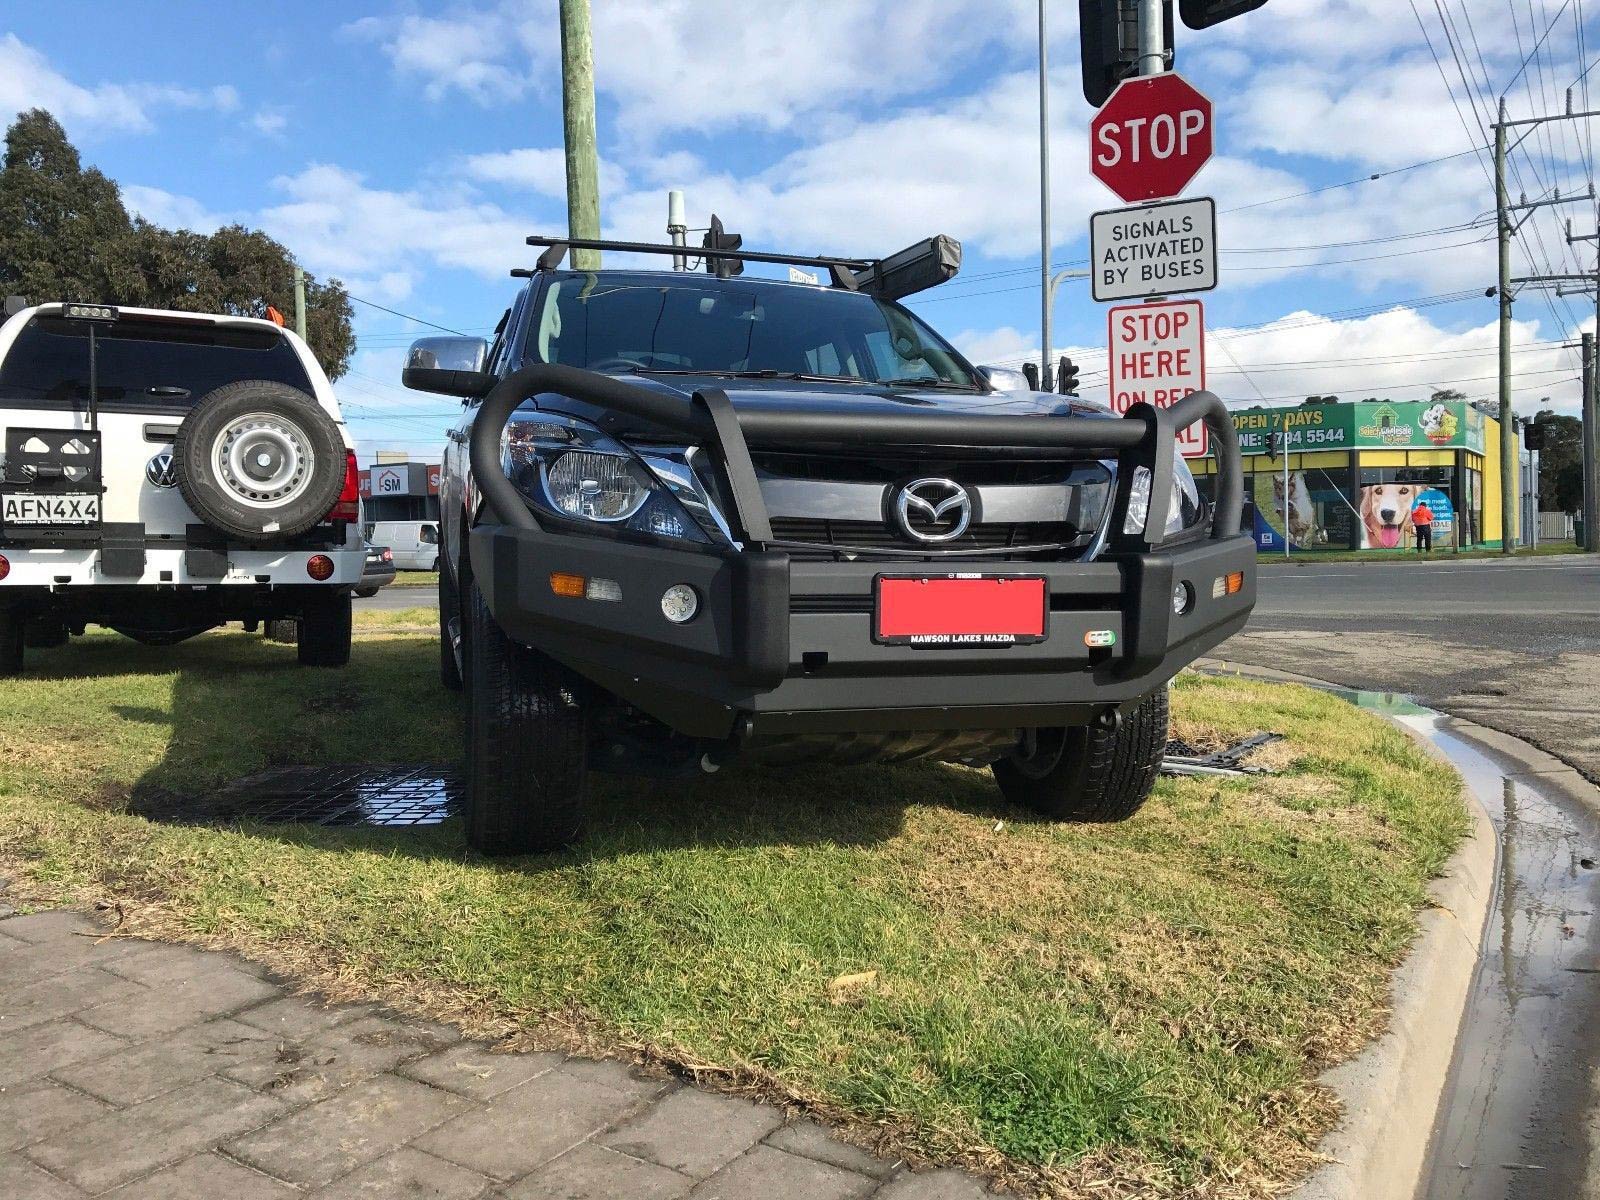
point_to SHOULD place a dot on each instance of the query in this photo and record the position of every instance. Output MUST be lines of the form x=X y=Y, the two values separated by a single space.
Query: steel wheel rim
x=263 y=460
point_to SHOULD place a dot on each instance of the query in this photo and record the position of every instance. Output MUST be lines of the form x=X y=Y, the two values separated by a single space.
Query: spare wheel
x=259 y=461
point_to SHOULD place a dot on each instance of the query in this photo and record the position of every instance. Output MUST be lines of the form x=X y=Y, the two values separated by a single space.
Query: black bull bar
x=1144 y=437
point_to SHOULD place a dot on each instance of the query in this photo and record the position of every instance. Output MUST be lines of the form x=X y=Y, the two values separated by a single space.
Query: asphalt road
x=1513 y=645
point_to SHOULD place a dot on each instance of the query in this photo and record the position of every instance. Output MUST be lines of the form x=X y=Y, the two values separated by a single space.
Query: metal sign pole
x=1046 y=378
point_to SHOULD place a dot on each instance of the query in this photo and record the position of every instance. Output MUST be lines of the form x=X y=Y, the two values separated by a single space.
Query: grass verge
x=1112 y=1010
x=426 y=579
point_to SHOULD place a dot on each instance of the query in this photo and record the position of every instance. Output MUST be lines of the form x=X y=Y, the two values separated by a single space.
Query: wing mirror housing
x=1005 y=379
x=450 y=366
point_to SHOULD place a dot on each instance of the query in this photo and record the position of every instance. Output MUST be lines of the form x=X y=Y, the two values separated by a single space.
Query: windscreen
x=142 y=363
x=645 y=323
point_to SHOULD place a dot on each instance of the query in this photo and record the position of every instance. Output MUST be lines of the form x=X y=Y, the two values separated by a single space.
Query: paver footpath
x=144 y=1071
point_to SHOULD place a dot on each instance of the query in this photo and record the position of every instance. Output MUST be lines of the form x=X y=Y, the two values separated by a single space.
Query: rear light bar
x=348 y=506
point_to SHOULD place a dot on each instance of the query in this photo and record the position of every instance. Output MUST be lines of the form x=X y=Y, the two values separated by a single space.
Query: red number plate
x=960 y=610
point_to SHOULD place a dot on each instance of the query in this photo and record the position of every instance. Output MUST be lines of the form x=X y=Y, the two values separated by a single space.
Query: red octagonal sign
x=1151 y=137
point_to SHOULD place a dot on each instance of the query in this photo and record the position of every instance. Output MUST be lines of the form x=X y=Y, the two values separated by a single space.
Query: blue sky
x=408 y=148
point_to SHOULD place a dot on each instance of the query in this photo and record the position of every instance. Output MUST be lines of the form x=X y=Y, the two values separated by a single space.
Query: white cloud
x=337 y=224
x=1399 y=354
x=27 y=80
x=171 y=211
x=538 y=169
x=270 y=122
x=698 y=64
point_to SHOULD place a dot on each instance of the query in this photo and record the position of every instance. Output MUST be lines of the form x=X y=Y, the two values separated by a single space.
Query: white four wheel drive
x=168 y=472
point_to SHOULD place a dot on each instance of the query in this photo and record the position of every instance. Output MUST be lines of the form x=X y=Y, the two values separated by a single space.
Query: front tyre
x=1090 y=773
x=325 y=631
x=527 y=744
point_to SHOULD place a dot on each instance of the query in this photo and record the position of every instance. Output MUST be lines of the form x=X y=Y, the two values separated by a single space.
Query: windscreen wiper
x=924 y=381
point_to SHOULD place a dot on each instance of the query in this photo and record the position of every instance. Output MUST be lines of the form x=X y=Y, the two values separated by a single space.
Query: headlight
x=1187 y=509
x=570 y=469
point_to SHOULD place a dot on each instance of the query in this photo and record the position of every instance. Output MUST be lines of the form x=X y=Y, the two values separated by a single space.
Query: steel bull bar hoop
x=1145 y=437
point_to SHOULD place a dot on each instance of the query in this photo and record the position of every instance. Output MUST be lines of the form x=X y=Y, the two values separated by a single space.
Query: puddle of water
x=354 y=795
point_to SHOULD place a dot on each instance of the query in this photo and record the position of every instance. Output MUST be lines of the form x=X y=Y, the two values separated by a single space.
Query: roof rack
x=916 y=268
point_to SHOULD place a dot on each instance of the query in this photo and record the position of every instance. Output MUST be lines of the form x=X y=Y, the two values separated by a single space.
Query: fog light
x=604 y=589
x=319 y=567
x=5 y=566
x=1182 y=598
x=679 y=603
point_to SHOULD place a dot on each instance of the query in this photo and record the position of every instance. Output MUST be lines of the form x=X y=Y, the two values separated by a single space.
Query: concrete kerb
x=1390 y=1092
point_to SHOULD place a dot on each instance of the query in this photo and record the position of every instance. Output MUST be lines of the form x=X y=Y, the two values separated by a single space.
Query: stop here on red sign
x=1158 y=356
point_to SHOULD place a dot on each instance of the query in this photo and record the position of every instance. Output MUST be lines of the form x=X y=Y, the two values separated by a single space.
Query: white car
x=167 y=472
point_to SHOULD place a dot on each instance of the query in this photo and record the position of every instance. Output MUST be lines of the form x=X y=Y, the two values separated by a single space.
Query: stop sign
x=1151 y=138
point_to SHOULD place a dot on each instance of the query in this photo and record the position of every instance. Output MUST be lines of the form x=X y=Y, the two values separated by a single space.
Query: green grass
x=427 y=579
x=1304 y=558
x=1139 y=1007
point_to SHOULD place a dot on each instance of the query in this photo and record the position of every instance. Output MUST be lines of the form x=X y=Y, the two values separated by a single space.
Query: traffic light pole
x=1045 y=379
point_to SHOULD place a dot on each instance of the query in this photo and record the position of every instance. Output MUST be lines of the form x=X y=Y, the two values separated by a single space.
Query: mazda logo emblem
x=933 y=510
x=161 y=472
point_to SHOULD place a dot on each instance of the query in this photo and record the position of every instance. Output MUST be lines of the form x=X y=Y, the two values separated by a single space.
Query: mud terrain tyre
x=1090 y=774
x=259 y=461
x=325 y=631
x=527 y=744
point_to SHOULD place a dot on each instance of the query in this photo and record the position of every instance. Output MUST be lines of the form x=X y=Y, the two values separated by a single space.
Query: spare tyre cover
x=259 y=461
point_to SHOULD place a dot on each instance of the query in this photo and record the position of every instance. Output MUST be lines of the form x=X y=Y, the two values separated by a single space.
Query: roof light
x=88 y=312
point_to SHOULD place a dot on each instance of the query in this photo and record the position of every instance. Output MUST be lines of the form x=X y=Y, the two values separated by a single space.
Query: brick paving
x=142 y=1071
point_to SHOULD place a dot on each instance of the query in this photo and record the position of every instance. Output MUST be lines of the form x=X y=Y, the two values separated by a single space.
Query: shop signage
x=1404 y=425
x=1156 y=250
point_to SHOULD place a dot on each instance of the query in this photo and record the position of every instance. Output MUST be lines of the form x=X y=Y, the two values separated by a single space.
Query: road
x=1511 y=645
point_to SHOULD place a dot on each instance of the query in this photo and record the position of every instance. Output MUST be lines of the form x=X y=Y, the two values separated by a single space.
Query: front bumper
x=781 y=647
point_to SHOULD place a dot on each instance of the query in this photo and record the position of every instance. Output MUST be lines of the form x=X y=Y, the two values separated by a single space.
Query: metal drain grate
x=348 y=795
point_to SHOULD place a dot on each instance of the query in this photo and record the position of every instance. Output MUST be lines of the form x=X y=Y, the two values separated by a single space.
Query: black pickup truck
x=694 y=516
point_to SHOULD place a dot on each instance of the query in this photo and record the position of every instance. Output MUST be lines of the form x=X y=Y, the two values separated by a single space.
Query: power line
x=394 y=312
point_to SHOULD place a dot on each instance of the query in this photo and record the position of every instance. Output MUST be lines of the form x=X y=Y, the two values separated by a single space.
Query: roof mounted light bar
x=914 y=269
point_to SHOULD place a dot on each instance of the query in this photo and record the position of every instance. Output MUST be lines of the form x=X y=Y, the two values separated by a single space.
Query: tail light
x=348 y=506
x=319 y=567
x=5 y=566
x=388 y=556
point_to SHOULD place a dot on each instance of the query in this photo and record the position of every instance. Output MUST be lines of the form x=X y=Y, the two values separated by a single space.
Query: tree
x=1445 y=395
x=1561 y=461
x=64 y=234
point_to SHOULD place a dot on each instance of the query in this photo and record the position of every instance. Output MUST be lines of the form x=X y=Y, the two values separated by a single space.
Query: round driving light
x=1182 y=598
x=319 y=567
x=679 y=603
x=5 y=566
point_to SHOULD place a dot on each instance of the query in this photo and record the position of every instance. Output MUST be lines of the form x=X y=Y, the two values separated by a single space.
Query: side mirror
x=451 y=366
x=1005 y=379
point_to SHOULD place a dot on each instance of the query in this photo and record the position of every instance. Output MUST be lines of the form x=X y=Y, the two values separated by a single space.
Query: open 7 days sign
x=1158 y=356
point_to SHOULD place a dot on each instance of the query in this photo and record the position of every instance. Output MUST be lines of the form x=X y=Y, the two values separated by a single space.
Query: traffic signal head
x=1067 y=377
x=1202 y=14
x=1108 y=36
x=1274 y=444
x=1030 y=372
x=716 y=239
x=1533 y=436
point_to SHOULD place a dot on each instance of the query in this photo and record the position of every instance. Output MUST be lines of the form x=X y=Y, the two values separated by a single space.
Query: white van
x=415 y=543
x=167 y=472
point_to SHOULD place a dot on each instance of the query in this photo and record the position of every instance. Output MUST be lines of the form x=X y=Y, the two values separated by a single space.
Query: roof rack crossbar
x=798 y=260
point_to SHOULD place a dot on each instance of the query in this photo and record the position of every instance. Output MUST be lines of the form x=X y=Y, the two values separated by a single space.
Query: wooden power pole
x=577 y=107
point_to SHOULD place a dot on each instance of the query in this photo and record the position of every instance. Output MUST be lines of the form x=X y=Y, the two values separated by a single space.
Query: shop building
x=1348 y=476
x=399 y=491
